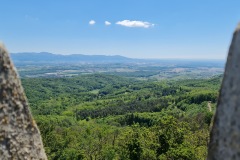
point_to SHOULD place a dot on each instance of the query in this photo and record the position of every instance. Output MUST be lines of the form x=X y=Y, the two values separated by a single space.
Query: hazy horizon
x=164 y=58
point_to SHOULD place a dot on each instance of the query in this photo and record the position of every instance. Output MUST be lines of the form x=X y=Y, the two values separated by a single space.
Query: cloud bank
x=141 y=24
x=92 y=22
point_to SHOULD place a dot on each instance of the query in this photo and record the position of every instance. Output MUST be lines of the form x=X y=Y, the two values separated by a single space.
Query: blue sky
x=139 y=28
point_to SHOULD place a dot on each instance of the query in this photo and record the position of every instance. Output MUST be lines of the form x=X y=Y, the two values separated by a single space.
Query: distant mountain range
x=33 y=58
x=45 y=57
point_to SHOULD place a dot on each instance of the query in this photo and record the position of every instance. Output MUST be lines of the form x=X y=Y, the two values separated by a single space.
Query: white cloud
x=128 y=23
x=92 y=22
x=107 y=23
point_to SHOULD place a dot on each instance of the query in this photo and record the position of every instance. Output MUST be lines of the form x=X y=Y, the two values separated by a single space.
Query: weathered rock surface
x=225 y=135
x=19 y=135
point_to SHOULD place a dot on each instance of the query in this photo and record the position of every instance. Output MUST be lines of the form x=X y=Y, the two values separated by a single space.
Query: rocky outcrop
x=19 y=135
x=225 y=135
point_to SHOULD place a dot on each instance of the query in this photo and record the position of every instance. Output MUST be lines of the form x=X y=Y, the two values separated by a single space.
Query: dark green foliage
x=109 y=117
x=134 y=147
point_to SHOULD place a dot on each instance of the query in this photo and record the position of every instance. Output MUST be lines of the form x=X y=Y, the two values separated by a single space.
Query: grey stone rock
x=19 y=135
x=225 y=135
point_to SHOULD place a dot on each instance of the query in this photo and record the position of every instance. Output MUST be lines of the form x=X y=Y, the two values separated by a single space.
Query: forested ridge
x=98 y=116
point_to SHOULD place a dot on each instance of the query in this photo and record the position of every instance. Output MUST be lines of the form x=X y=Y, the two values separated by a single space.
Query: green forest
x=110 y=117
